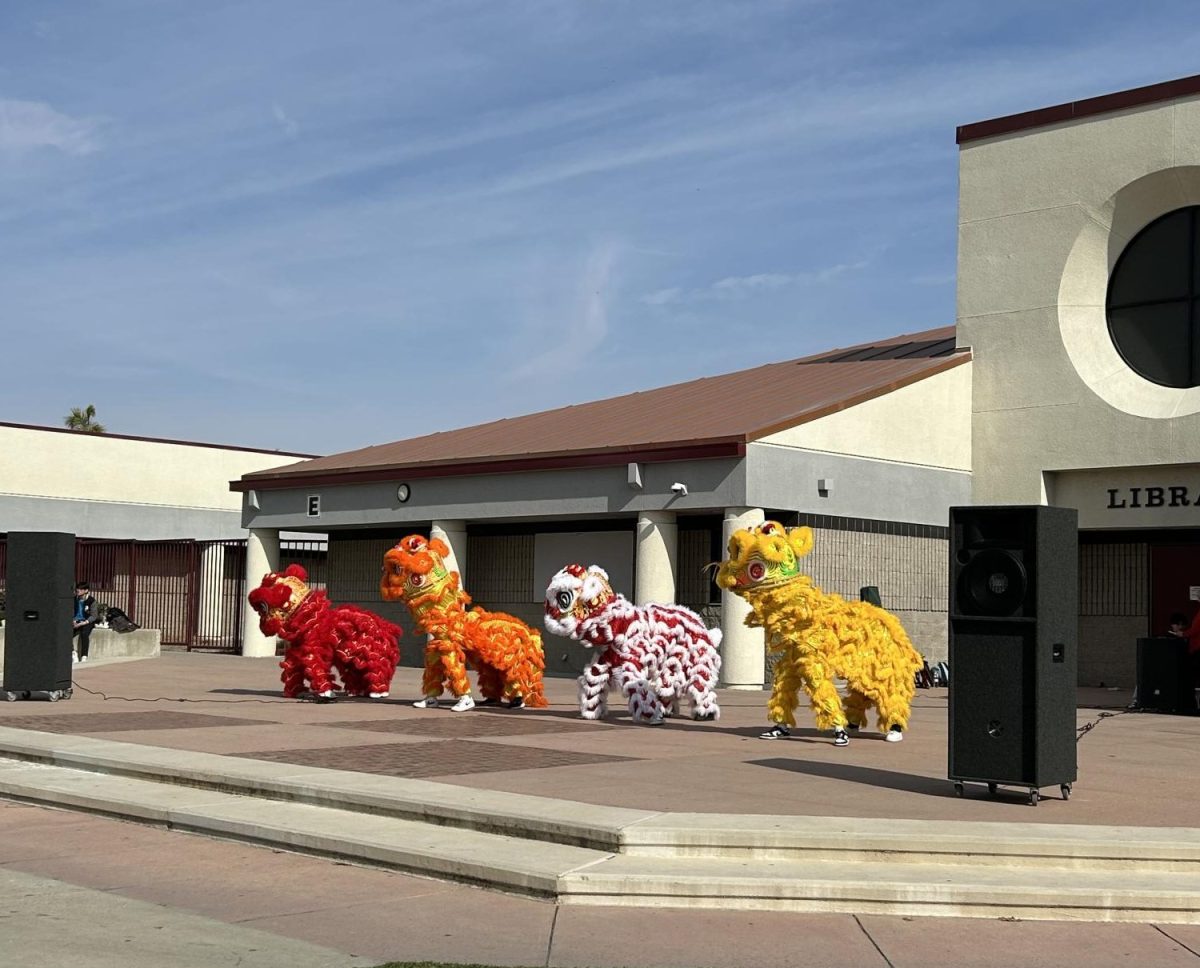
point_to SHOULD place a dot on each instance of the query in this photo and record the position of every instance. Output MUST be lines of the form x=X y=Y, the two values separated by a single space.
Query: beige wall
x=928 y=422
x=1043 y=216
x=97 y=467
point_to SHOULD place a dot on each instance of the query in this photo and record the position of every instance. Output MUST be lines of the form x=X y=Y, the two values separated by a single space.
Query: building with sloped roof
x=868 y=444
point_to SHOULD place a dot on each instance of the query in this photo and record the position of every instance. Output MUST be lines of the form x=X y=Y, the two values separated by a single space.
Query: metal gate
x=189 y=590
x=192 y=591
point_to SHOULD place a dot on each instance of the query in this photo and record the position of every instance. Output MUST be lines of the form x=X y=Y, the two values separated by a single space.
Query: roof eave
x=715 y=448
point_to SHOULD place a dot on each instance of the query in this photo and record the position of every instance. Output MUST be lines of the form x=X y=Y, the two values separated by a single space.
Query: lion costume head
x=764 y=557
x=415 y=572
x=278 y=596
x=575 y=596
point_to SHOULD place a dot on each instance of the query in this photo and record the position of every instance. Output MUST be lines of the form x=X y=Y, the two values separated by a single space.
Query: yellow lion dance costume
x=816 y=638
x=506 y=652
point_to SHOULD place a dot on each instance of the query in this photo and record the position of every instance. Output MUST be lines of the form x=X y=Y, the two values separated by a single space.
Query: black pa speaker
x=1014 y=607
x=1164 y=675
x=41 y=601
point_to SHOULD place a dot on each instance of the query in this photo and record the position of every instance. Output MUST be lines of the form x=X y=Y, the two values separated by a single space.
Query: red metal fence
x=192 y=591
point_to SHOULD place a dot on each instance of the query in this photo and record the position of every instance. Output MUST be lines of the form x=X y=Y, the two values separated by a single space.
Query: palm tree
x=83 y=420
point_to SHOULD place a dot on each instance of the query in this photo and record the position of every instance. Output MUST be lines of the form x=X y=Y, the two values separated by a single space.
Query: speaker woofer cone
x=994 y=582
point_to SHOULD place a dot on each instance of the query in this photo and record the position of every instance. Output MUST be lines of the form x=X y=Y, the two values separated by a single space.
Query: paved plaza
x=77 y=879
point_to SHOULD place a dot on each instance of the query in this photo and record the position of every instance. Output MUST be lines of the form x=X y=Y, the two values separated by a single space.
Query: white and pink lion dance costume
x=655 y=654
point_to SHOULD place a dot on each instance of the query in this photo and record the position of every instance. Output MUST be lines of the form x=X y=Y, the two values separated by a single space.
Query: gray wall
x=104 y=519
x=553 y=495
x=784 y=477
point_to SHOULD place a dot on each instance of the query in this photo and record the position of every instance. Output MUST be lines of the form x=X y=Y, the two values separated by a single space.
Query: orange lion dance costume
x=506 y=652
x=322 y=637
x=816 y=638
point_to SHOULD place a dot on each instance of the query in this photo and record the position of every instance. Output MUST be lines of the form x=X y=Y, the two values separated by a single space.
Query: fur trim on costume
x=322 y=638
x=655 y=654
x=506 y=652
x=817 y=637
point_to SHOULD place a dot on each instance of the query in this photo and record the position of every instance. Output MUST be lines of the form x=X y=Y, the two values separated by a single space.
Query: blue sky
x=316 y=226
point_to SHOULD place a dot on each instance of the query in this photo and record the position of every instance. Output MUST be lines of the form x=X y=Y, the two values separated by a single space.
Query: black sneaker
x=778 y=731
x=515 y=703
x=841 y=738
x=853 y=727
x=487 y=702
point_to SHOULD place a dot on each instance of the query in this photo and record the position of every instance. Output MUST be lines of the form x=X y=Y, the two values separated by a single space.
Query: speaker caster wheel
x=1066 y=791
x=958 y=789
x=992 y=789
x=1034 y=796
x=54 y=695
x=11 y=696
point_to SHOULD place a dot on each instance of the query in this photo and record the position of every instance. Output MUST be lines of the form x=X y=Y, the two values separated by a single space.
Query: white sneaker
x=378 y=695
x=429 y=702
x=894 y=735
x=74 y=658
x=841 y=738
x=83 y=658
x=464 y=703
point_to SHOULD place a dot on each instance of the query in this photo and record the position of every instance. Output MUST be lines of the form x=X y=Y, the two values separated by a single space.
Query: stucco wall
x=1043 y=216
x=781 y=476
x=554 y=494
x=928 y=422
x=102 y=486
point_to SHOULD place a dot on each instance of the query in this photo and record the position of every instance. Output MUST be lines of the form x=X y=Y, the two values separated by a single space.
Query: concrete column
x=262 y=556
x=212 y=588
x=454 y=533
x=654 y=563
x=743 y=650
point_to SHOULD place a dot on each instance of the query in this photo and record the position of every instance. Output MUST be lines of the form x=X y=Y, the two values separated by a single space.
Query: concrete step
x=855 y=840
x=634 y=832
x=529 y=817
x=493 y=860
x=905 y=889
x=549 y=847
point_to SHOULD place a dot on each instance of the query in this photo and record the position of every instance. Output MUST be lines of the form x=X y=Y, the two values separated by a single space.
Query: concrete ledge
x=528 y=817
x=635 y=833
x=108 y=644
x=1063 y=846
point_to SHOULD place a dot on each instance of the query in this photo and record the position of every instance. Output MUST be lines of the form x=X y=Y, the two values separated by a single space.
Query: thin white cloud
x=290 y=127
x=570 y=340
x=740 y=287
x=26 y=125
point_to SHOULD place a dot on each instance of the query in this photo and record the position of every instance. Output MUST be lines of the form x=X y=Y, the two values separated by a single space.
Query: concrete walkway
x=1133 y=772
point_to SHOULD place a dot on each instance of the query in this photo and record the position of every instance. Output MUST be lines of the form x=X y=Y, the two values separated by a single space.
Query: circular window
x=1154 y=300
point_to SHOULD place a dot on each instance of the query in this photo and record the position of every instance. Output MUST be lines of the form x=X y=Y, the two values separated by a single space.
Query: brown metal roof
x=710 y=417
x=1074 y=110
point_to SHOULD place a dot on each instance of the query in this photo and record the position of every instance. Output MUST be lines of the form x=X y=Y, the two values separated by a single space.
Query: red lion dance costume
x=321 y=637
x=655 y=654
x=506 y=652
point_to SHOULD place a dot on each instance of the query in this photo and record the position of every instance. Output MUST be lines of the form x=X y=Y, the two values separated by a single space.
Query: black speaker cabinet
x=1013 y=646
x=41 y=601
x=1164 y=675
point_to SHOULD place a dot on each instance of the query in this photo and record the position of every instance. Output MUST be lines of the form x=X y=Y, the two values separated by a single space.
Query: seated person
x=87 y=614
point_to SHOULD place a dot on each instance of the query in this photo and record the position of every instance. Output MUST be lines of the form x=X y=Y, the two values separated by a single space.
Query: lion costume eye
x=563 y=600
x=756 y=570
x=416 y=580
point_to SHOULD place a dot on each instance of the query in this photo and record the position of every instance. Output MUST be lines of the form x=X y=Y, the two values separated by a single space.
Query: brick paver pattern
x=121 y=722
x=453 y=725
x=450 y=757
